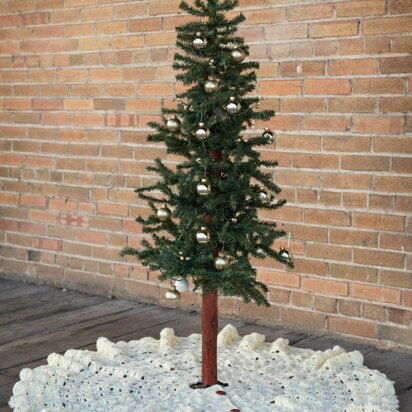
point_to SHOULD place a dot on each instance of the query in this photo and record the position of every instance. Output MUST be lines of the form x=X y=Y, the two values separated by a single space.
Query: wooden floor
x=38 y=320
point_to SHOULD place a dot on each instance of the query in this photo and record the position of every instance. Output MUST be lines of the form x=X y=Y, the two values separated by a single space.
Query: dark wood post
x=210 y=313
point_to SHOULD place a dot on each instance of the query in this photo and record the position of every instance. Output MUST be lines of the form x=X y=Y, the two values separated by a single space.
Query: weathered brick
x=310 y=12
x=386 y=25
x=352 y=327
x=334 y=28
x=375 y=293
x=325 y=286
x=327 y=86
x=361 y=8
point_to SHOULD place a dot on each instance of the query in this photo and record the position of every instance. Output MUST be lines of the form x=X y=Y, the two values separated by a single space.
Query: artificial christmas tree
x=204 y=222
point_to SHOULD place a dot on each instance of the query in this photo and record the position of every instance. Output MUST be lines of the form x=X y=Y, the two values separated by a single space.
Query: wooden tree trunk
x=210 y=313
x=209 y=338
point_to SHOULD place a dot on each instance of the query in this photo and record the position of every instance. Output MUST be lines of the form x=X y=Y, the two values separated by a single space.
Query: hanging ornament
x=199 y=42
x=173 y=124
x=238 y=55
x=268 y=135
x=211 y=62
x=232 y=107
x=164 y=213
x=172 y=294
x=222 y=262
x=284 y=253
x=203 y=188
x=181 y=257
x=182 y=285
x=203 y=235
x=263 y=195
x=202 y=133
x=211 y=85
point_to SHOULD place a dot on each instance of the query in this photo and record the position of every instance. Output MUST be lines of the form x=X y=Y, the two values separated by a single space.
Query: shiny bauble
x=233 y=107
x=202 y=133
x=238 y=55
x=211 y=85
x=172 y=294
x=202 y=236
x=199 y=42
x=268 y=135
x=203 y=188
x=173 y=124
x=263 y=195
x=284 y=253
x=164 y=213
x=182 y=285
x=222 y=262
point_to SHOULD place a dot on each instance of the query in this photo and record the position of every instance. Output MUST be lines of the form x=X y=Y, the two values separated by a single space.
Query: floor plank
x=36 y=321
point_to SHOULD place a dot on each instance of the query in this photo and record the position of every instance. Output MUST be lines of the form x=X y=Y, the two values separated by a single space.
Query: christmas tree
x=204 y=223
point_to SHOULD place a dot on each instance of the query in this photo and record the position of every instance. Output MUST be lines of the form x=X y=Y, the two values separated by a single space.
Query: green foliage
x=235 y=181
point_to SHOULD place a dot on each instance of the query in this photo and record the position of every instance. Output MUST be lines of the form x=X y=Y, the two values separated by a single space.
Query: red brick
x=259 y=16
x=379 y=221
x=387 y=25
x=379 y=86
x=352 y=327
x=302 y=68
x=280 y=87
x=379 y=258
x=303 y=318
x=286 y=31
x=279 y=278
x=327 y=86
x=352 y=67
x=395 y=104
x=332 y=123
x=393 y=184
x=375 y=293
x=396 y=65
x=328 y=252
x=378 y=124
x=329 y=217
x=334 y=28
x=310 y=12
x=324 y=286
x=400 y=7
x=361 y=8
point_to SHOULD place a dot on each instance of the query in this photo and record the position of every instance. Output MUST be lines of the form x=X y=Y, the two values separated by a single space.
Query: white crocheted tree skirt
x=154 y=375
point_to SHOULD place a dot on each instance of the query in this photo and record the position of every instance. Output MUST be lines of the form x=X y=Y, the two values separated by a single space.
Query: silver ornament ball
x=268 y=135
x=182 y=285
x=222 y=262
x=211 y=85
x=173 y=124
x=202 y=133
x=203 y=188
x=284 y=253
x=233 y=107
x=164 y=213
x=202 y=236
x=172 y=294
x=199 y=42
x=238 y=55
x=263 y=195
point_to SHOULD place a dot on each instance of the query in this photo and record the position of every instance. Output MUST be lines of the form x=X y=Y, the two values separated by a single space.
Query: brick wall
x=81 y=78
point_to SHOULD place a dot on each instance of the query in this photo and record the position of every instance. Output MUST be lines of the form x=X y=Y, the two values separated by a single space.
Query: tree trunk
x=209 y=338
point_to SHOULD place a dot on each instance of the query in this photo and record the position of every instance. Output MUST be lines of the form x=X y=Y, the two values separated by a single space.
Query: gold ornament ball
x=232 y=107
x=202 y=133
x=211 y=85
x=164 y=213
x=202 y=236
x=268 y=135
x=199 y=42
x=173 y=124
x=203 y=188
x=238 y=55
x=222 y=262
x=172 y=294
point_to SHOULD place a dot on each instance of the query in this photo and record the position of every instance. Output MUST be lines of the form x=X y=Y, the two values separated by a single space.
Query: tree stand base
x=200 y=385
